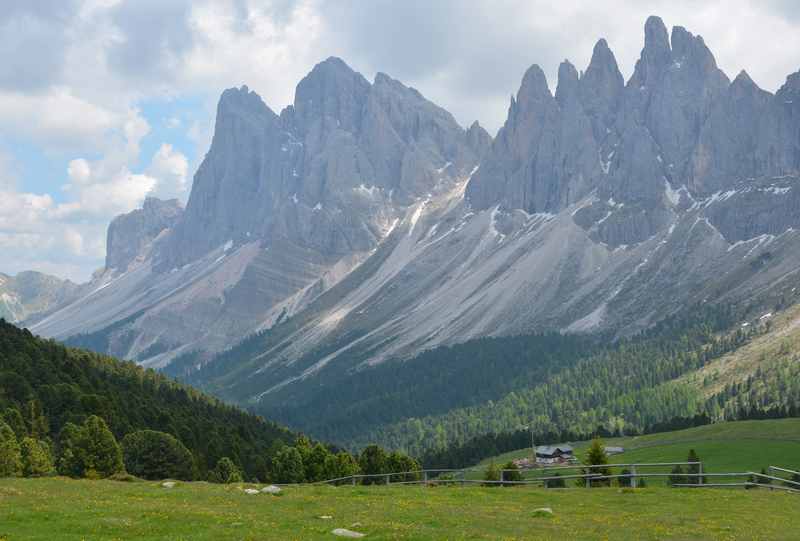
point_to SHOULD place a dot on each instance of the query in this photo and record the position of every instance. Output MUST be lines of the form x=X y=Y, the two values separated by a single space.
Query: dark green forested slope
x=560 y=383
x=47 y=385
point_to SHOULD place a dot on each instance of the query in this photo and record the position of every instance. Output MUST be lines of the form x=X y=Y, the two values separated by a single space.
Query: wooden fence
x=635 y=473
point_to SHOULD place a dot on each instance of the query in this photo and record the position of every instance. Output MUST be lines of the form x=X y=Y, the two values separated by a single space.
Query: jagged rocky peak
x=333 y=95
x=478 y=139
x=567 y=88
x=600 y=89
x=330 y=173
x=131 y=234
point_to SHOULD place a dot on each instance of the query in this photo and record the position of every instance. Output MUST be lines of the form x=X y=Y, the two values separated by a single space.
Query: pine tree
x=38 y=426
x=373 y=461
x=676 y=477
x=225 y=472
x=156 y=455
x=10 y=457
x=287 y=466
x=314 y=463
x=694 y=469
x=14 y=419
x=36 y=458
x=98 y=451
x=69 y=461
x=597 y=458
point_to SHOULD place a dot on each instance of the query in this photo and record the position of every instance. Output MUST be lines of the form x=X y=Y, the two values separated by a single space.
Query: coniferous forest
x=82 y=414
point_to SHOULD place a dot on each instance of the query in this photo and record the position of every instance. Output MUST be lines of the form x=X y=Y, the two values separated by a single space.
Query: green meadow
x=724 y=447
x=60 y=508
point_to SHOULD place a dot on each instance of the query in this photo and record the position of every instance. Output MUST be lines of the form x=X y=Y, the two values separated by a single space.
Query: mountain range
x=362 y=225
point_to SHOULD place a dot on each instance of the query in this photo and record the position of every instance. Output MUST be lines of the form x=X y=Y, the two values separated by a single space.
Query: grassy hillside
x=725 y=447
x=57 y=508
x=44 y=385
x=762 y=373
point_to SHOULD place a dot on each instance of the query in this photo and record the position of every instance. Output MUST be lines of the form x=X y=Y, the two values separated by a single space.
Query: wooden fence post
x=633 y=476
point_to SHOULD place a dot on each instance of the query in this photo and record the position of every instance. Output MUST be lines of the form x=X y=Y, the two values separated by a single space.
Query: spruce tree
x=694 y=469
x=597 y=458
x=10 y=458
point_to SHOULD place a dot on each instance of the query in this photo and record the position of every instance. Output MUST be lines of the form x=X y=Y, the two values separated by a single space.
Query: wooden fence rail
x=459 y=476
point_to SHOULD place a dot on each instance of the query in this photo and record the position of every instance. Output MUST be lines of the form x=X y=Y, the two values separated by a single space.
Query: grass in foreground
x=57 y=508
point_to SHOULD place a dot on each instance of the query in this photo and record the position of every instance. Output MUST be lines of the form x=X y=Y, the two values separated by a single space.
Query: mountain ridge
x=363 y=225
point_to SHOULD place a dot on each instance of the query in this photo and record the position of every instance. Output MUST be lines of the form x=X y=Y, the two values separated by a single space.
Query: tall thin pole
x=533 y=446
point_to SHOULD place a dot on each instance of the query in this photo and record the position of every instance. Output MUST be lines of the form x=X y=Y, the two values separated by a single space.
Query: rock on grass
x=342 y=532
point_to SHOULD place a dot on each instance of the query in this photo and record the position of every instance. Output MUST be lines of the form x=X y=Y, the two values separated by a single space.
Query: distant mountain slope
x=362 y=225
x=72 y=384
x=282 y=207
x=761 y=375
x=30 y=294
x=661 y=213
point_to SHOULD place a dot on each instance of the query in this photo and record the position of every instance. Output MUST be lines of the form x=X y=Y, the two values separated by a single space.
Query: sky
x=106 y=102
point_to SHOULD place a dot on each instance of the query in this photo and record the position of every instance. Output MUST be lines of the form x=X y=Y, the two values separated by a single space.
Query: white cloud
x=73 y=241
x=170 y=169
x=56 y=119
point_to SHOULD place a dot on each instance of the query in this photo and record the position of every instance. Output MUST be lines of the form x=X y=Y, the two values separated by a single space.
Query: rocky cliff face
x=677 y=128
x=330 y=173
x=281 y=208
x=28 y=295
x=131 y=235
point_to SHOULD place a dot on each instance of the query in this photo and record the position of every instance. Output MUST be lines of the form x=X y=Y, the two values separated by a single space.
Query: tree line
x=81 y=414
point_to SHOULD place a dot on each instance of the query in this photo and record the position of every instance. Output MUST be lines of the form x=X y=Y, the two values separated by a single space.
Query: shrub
x=10 y=459
x=555 y=483
x=512 y=473
x=676 y=477
x=492 y=474
x=150 y=454
x=124 y=478
x=225 y=472
x=624 y=481
x=36 y=458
